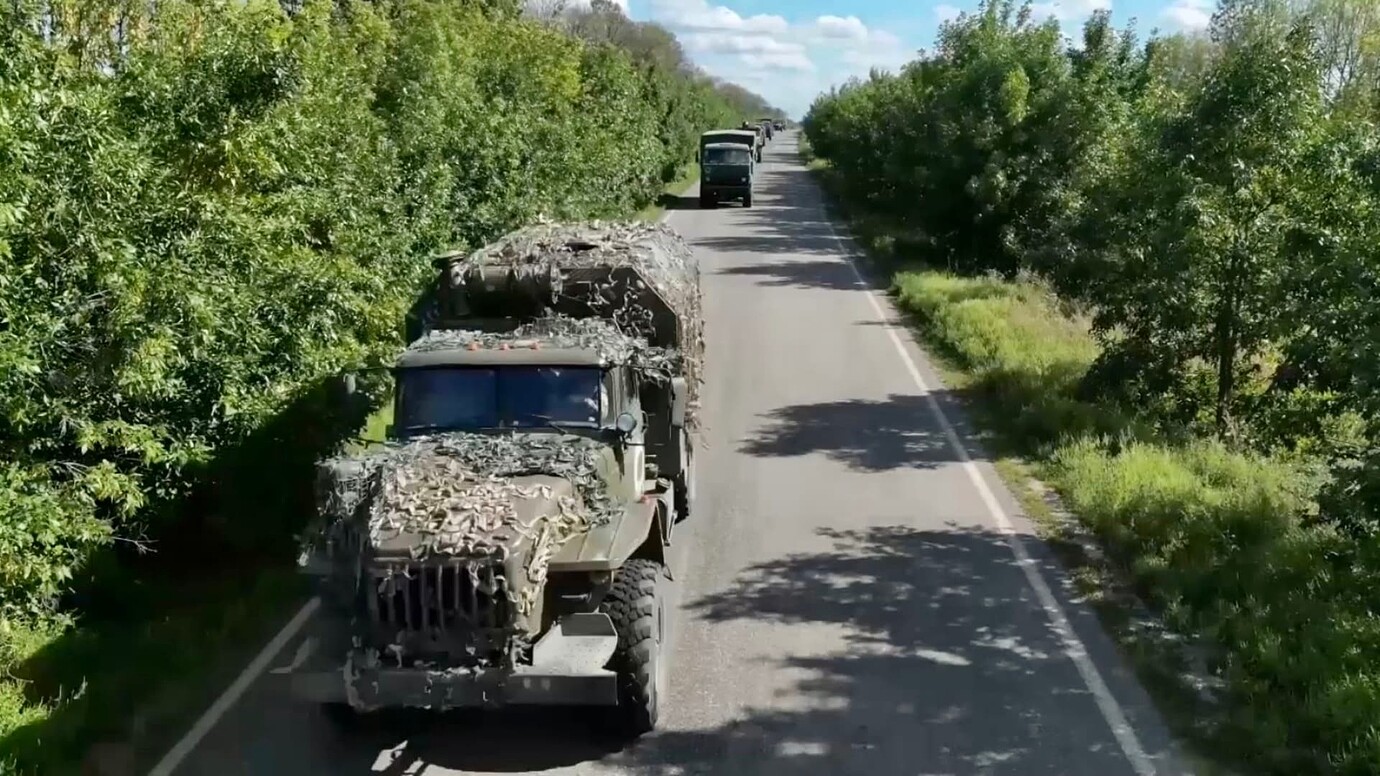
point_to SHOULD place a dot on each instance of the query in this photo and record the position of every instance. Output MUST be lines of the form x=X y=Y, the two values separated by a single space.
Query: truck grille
x=440 y=596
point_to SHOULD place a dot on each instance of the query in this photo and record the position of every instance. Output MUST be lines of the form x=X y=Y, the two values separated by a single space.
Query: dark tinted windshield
x=727 y=156
x=456 y=398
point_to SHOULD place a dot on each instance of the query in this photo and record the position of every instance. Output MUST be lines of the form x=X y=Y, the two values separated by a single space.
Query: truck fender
x=647 y=527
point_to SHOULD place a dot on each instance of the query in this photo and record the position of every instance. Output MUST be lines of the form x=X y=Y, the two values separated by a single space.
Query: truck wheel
x=706 y=202
x=636 y=605
x=747 y=200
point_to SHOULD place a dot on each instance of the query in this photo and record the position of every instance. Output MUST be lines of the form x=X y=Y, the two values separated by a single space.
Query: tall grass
x=1215 y=539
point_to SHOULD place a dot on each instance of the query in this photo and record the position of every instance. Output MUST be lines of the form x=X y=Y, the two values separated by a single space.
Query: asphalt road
x=848 y=602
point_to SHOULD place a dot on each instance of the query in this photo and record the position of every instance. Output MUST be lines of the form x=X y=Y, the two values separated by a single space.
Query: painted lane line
x=256 y=668
x=227 y=699
x=1111 y=711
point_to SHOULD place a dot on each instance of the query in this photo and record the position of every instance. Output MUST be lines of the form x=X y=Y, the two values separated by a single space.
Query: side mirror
x=679 y=399
x=626 y=423
x=388 y=431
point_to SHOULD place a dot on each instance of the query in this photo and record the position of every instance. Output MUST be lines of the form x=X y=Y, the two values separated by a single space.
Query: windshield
x=726 y=156
x=461 y=398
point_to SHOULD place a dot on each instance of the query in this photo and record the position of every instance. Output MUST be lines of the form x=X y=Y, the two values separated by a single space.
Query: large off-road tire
x=706 y=202
x=636 y=604
x=747 y=199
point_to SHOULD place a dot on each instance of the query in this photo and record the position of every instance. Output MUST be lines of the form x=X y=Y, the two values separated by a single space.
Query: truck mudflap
x=567 y=670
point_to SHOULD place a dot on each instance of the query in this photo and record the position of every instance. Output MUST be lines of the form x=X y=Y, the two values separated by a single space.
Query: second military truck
x=727 y=171
x=508 y=544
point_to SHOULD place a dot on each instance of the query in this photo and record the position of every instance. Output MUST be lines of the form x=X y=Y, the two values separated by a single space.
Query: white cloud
x=1188 y=15
x=1068 y=10
x=571 y=4
x=841 y=27
x=756 y=51
x=701 y=16
x=946 y=12
x=788 y=63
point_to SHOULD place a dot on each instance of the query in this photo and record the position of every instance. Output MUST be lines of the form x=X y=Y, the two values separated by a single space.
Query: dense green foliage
x=207 y=213
x=1211 y=201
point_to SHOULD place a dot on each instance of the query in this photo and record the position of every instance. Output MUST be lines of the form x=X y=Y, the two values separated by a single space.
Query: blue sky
x=790 y=50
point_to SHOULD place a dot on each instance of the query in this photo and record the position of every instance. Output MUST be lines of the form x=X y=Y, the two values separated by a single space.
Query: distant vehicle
x=726 y=172
x=778 y=125
x=768 y=126
x=748 y=126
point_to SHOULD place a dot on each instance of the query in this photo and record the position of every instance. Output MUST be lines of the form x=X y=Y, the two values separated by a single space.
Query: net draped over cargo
x=562 y=263
x=595 y=335
x=456 y=495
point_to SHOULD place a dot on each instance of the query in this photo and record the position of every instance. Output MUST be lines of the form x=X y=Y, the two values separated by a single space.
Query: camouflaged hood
x=469 y=495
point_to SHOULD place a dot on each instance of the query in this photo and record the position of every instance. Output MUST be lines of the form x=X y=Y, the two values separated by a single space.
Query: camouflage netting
x=456 y=496
x=661 y=258
x=456 y=493
x=559 y=331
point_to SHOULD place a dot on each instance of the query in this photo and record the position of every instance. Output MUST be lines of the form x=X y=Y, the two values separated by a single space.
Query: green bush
x=207 y=214
x=1209 y=203
x=1213 y=537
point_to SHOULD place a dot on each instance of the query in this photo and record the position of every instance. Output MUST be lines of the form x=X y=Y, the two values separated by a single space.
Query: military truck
x=507 y=545
x=760 y=133
x=745 y=137
x=726 y=173
x=767 y=126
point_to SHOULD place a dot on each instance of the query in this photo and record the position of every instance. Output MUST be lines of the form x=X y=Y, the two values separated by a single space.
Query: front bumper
x=568 y=669
x=423 y=688
x=726 y=189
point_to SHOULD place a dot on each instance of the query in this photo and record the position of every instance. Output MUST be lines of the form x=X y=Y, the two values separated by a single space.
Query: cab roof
x=518 y=354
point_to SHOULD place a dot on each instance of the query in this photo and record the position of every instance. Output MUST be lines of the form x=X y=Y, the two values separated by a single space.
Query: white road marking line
x=227 y=699
x=1073 y=646
x=256 y=668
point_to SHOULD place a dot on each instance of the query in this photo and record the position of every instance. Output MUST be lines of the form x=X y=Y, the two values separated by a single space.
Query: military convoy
x=727 y=173
x=507 y=544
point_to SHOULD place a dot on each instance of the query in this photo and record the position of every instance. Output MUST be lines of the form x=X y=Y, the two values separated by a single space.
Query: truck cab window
x=718 y=156
x=469 y=398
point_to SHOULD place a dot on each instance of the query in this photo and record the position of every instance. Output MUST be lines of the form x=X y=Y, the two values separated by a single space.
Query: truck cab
x=726 y=173
x=744 y=137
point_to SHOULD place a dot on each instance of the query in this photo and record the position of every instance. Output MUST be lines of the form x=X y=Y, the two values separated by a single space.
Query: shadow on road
x=678 y=202
x=799 y=274
x=945 y=666
x=405 y=742
x=867 y=435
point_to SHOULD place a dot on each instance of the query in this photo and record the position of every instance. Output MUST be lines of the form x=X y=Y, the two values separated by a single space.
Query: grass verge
x=1208 y=537
x=674 y=191
x=129 y=679
x=159 y=650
